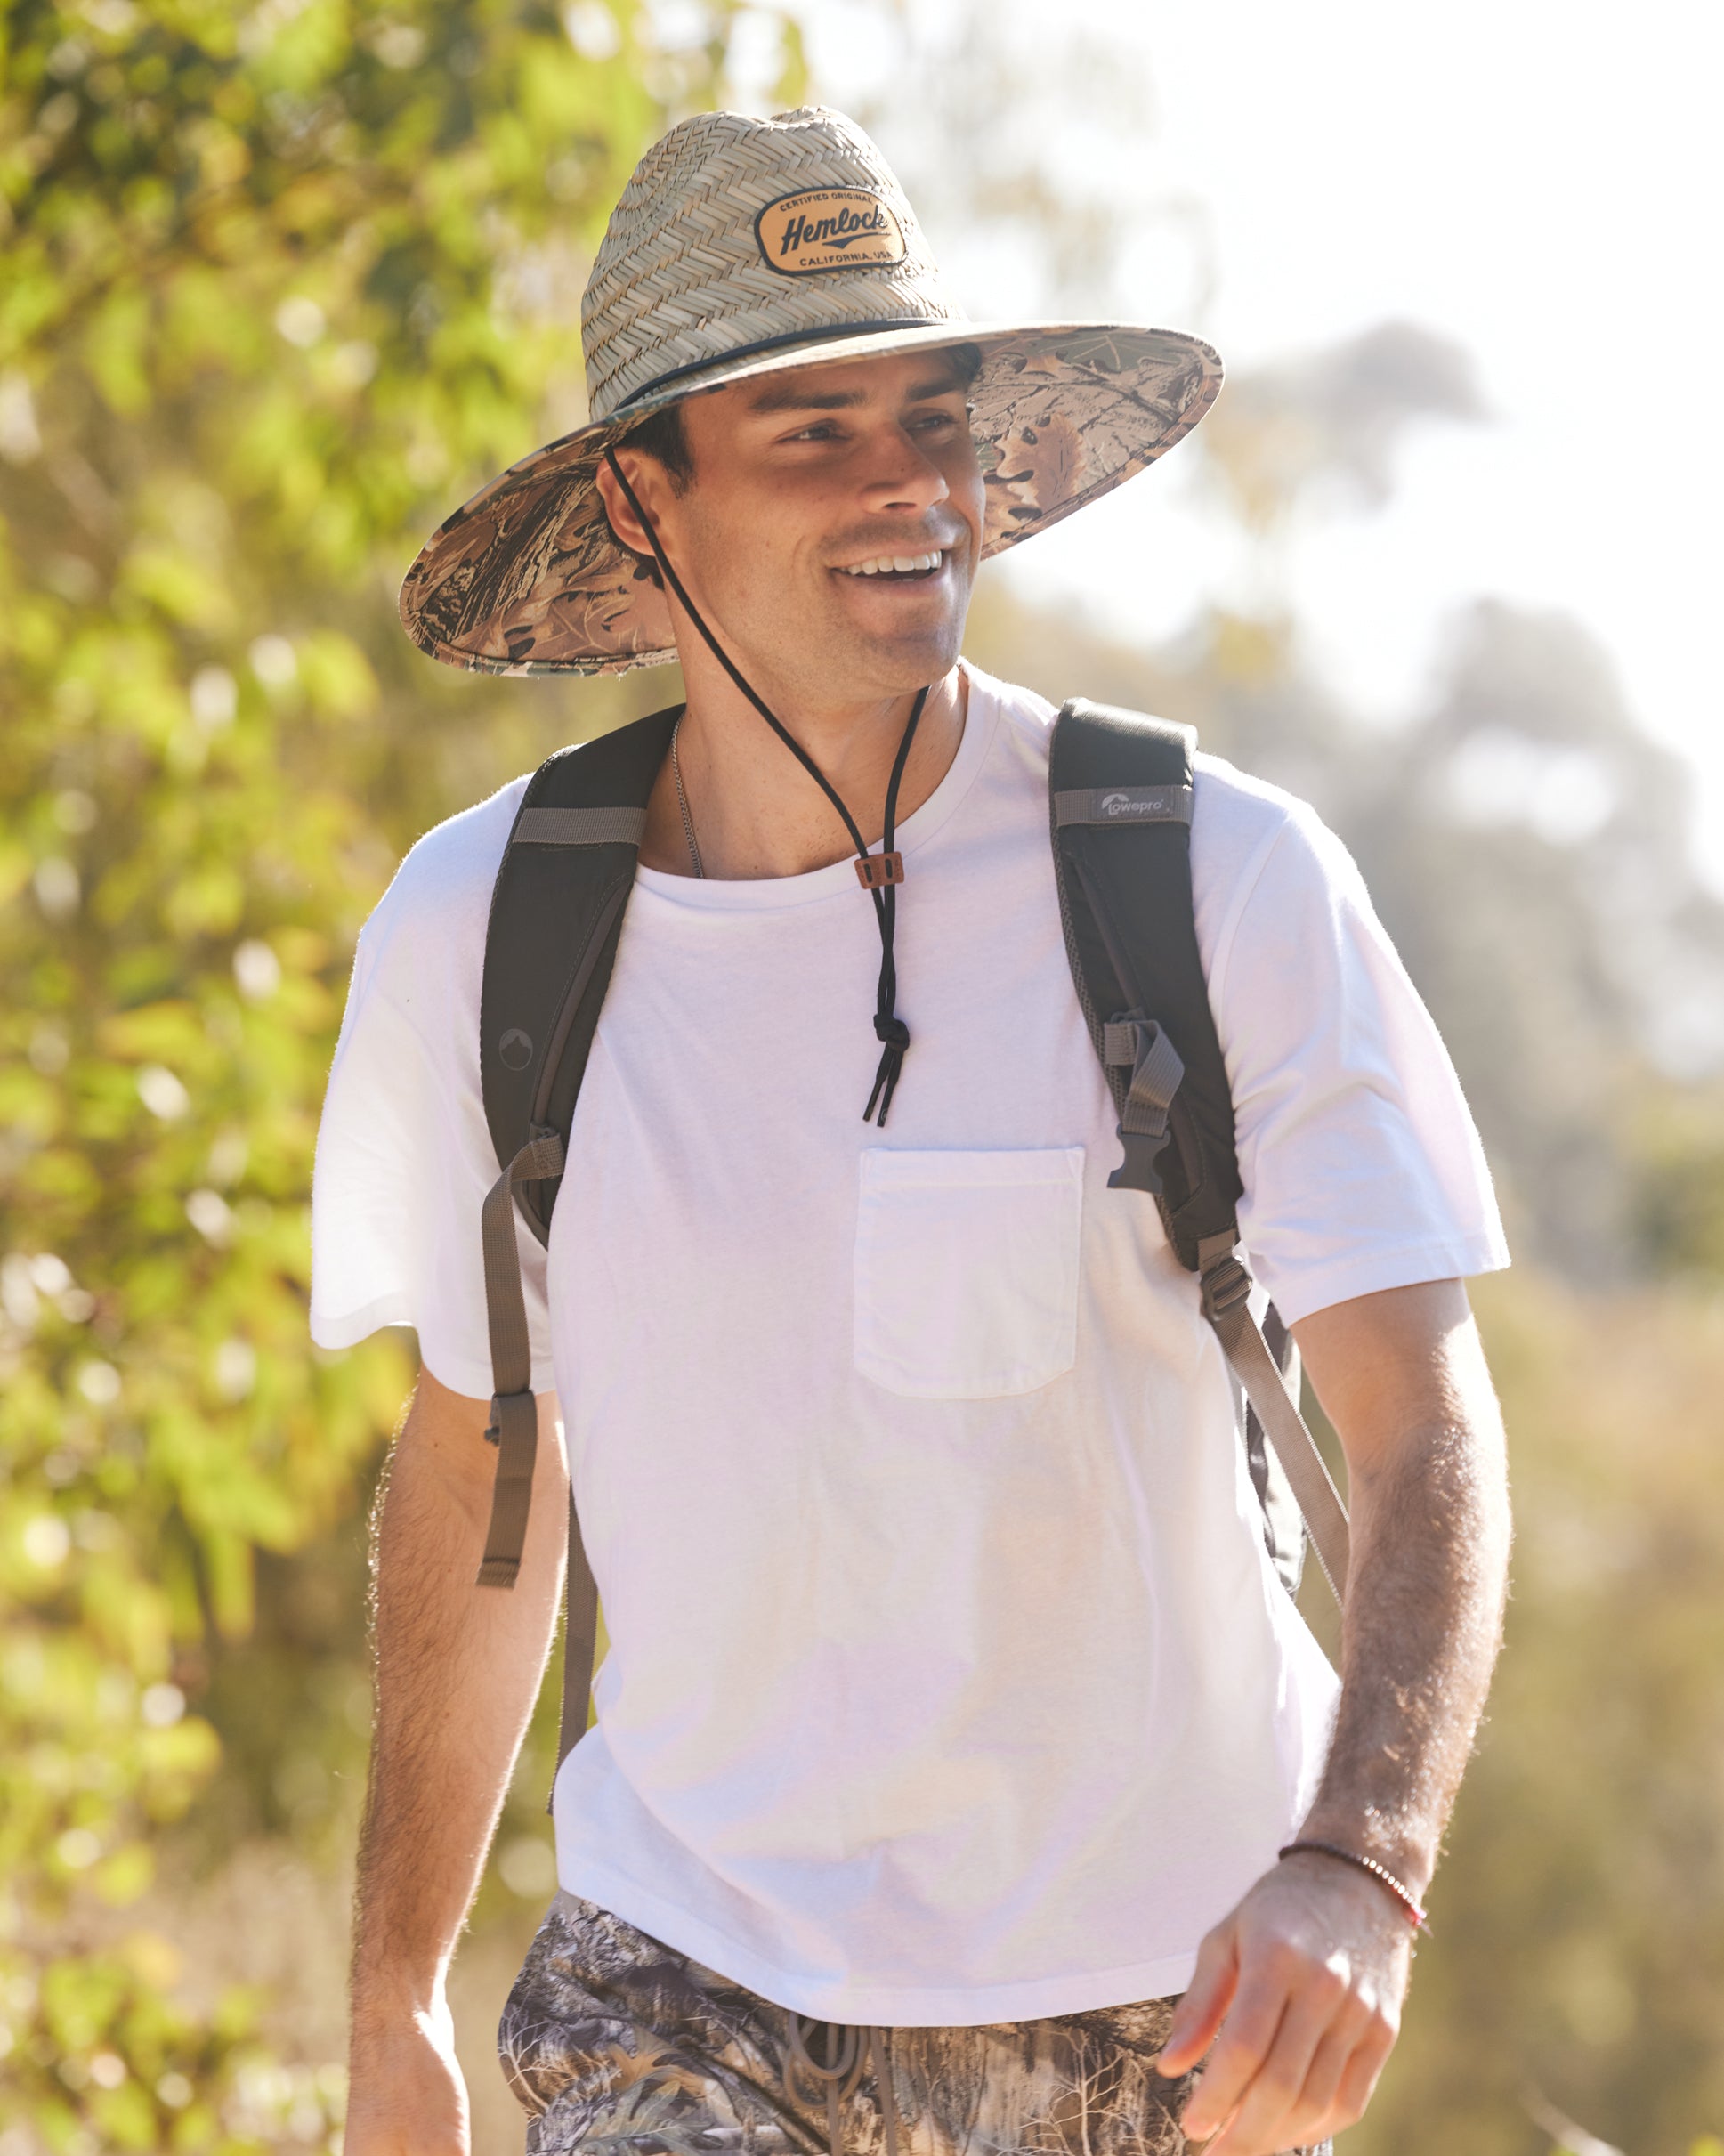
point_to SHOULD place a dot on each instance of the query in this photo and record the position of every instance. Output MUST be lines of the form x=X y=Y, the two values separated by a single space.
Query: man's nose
x=902 y=475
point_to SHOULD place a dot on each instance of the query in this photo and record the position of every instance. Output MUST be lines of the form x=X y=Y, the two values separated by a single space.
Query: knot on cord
x=891 y=1031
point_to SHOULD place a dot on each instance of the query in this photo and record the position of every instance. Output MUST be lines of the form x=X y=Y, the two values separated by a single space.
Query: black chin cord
x=881 y=873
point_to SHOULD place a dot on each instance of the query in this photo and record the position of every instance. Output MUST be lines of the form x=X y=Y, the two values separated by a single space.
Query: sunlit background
x=1542 y=185
x=279 y=287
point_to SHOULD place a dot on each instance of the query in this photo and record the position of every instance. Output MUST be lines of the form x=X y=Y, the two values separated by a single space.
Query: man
x=953 y=1717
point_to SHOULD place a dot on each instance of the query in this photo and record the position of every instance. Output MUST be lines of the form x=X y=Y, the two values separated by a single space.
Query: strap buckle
x=1140 y=1045
x=500 y=1410
x=515 y=1432
x=1137 y=1171
x=1225 y=1285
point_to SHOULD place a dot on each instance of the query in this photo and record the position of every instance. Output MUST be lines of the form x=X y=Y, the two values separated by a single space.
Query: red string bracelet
x=1381 y=1872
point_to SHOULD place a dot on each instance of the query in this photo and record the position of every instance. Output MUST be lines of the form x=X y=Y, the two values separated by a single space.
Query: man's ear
x=624 y=524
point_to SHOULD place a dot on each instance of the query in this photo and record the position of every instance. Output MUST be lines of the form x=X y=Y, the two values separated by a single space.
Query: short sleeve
x=1361 y=1165
x=404 y=1156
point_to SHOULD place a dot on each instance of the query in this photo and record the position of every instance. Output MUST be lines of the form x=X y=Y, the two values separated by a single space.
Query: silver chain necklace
x=681 y=799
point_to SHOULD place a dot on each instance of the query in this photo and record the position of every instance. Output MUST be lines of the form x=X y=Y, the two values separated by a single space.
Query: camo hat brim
x=744 y=247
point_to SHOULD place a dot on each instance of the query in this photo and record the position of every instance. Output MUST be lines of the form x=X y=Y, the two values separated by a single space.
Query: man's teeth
x=883 y=563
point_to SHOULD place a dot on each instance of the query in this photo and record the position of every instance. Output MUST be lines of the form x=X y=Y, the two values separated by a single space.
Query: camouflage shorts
x=614 y=2042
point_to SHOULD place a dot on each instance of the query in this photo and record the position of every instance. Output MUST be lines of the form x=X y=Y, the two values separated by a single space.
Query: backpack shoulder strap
x=556 y=916
x=1120 y=788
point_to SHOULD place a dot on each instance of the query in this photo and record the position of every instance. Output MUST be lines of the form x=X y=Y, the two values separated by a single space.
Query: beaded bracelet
x=1381 y=1872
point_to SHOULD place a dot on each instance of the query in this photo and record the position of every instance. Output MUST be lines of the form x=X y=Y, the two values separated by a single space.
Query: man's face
x=833 y=525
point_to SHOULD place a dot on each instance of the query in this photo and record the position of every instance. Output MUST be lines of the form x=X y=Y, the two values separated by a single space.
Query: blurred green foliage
x=1580 y=1946
x=281 y=284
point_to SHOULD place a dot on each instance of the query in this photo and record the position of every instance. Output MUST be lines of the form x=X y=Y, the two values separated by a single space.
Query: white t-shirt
x=949 y=1679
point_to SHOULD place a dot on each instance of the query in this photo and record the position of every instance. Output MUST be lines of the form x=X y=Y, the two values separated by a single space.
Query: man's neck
x=757 y=813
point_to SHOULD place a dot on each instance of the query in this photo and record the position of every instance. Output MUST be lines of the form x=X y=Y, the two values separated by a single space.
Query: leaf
x=1044 y=462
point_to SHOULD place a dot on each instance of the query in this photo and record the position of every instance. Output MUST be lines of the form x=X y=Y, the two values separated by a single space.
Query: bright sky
x=1542 y=181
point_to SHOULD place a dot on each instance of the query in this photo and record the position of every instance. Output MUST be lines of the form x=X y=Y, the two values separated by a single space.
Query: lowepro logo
x=1122 y=805
x=827 y=227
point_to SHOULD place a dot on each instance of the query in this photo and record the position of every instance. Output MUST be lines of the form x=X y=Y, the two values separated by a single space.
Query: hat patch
x=827 y=227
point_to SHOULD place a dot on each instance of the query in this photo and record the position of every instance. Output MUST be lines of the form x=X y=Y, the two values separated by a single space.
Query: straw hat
x=741 y=248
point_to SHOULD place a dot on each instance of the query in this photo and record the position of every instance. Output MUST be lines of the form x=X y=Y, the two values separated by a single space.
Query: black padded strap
x=1121 y=789
x=1125 y=901
x=556 y=920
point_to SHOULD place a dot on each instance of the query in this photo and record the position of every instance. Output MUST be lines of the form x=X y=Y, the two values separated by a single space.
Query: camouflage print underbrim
x=527 y=578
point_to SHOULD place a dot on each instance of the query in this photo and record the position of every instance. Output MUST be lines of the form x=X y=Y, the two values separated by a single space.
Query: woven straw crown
x=683 y=276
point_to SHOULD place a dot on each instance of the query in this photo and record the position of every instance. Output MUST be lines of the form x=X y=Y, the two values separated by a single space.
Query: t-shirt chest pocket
x=966 y=1270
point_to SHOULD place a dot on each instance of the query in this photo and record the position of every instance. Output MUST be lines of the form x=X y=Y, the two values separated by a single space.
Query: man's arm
x=1304 y=1981
x=457 y=1670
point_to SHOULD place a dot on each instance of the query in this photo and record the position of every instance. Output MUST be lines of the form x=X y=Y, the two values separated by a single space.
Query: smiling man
x=837 y=527
x=962 y=1777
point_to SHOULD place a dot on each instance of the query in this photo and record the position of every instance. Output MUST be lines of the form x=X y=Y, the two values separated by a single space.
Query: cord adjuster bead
x=874 y=871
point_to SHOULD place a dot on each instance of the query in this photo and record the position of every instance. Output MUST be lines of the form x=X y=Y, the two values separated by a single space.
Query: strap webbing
x=1226 y=1286
x=515 y=1430
x=515 y=1416
x=579 y=827
x=580 y=1640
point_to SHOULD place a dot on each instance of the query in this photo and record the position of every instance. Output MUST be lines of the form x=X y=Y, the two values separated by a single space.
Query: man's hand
x=1304 y=1982
x=407 y=2097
